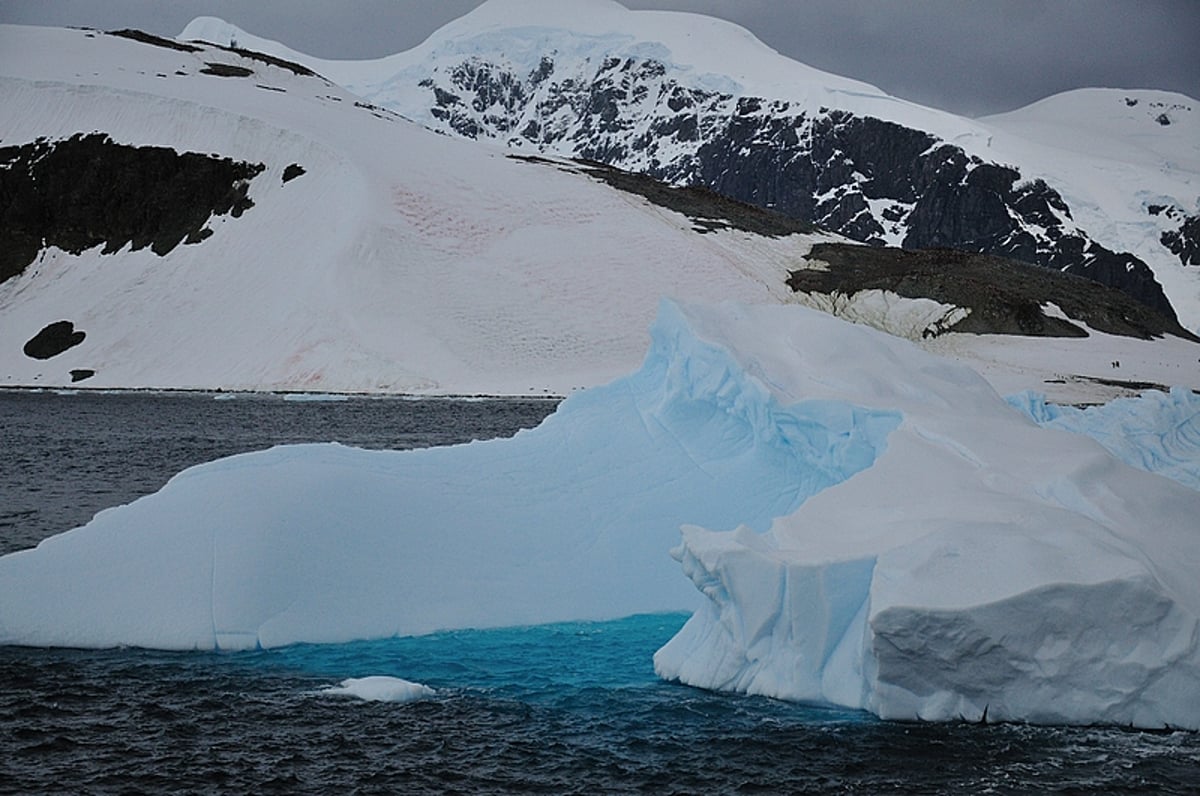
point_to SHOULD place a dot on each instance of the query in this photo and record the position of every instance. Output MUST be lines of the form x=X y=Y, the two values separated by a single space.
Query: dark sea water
x=565 y=708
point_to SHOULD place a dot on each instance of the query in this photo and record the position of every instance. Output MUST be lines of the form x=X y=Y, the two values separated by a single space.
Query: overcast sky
x=968 y=56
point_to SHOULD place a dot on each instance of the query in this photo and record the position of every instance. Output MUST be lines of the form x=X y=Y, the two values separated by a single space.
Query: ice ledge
x=982 y=567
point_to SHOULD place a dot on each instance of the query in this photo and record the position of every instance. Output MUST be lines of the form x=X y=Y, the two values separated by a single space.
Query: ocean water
x=564 y=708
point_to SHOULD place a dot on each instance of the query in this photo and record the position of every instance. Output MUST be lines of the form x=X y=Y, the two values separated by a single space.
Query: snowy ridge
x=905 y=541
x=714 y=54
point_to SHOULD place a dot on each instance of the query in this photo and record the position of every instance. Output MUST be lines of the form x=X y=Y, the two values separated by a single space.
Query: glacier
x=863 y=524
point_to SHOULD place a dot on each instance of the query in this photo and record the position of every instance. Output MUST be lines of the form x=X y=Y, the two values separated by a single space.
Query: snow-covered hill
x=399 y=260
x=1068 y=183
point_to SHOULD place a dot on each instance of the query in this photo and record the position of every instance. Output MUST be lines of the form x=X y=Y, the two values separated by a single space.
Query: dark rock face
x=86 y=191
x=226 y=70
x=872 y=180
x=157 y=41
x=1004 y=296
x=292 y=171
x=1185 y=241
x=53 y=340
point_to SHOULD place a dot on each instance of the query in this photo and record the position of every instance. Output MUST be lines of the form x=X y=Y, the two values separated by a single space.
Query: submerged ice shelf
x=864 y=524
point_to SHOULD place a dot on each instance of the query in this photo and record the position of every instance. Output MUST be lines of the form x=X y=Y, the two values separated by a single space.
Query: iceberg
x=324 y=543
x=863 y=524
x=380 y=688
x=984 y=568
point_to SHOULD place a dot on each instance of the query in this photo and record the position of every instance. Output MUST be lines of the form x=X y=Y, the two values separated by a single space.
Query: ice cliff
x=886 y=533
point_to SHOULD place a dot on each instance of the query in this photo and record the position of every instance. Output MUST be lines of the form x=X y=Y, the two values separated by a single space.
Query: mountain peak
x=575 y=14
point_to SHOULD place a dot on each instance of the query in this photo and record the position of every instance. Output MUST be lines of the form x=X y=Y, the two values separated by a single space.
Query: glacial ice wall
x=863 y=524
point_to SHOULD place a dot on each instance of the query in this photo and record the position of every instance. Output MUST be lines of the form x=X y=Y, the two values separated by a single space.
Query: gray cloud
x=967 y=57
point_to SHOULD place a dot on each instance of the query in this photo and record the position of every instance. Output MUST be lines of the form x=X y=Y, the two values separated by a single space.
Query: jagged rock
x=87 y=190
x=293 y=171
x=1185 y=241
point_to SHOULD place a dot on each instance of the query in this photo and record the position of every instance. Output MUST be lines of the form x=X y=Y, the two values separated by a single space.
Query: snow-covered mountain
x=198 y=216
x=1101 y=183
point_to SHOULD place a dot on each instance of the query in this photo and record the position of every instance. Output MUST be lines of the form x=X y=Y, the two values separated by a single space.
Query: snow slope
x=400 y=261
x=1107 y=152
x=905 y=541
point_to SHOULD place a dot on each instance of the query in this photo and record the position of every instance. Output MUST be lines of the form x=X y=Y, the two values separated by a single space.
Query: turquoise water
x=534 y=664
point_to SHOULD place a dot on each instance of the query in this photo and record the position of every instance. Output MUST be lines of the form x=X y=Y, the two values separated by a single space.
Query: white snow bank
x=905 y=541
x=380 y=688
x=1157 y=432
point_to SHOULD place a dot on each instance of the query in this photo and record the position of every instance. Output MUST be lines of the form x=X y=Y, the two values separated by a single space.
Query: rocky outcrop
x=53 y=339
x=1184 y=242
x=1003 y=296
x=708 y=210
x=88 y=191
